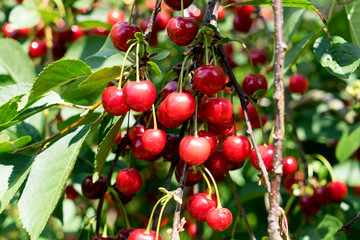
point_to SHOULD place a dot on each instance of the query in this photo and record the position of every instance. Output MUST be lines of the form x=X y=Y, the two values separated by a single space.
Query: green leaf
x=9 y=110
x=105 y=148
x=84 y=47
x=106 y=50
x=223 y=41
x=10 y=91
x=97 y=82
x=93 y=24
x=58 y=74
x=13 y=170
x=348 y=144
x=328 y=227
x=339 y=57
x=160 y=54
x=345 y=171
x=48 y=16
x=47 y=180
x=153 y=68
x=4 y=138
x=29 y=17
x=16 y=61
x=292 y=20
x=353 y=15
x=22 y=141
x=8 y=146
x=73 y=94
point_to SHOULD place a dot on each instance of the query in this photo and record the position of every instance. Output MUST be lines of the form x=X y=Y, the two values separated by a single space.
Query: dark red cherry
x=195 y=12
x=113 y=16
x=124 y=233
x=290 y=166
x=37 y=48
x=338 y=190
x=201 y=116
x=164 y=118
x=77 y=32
x=182 y=30
x=229 y=55
x=219 y=110
x=71 y=193
x=98 y=31
x=257 y=57
x=219 y=219
x=61 y=31
x=267 y=155
x=212 y=138
x=237 y=165
x=169 y=87
x=180 y=106
x=251 y=110
x=209 y=79
x=113 y=101
x=298 y=83
x=154 y=140
x=139 y=96
x=191 y=228
x=254 y=85
x=217 y=163
x=129 y=181
x=222 y=128
x=194 y=150
x=255 y=123
x=172 y=143
x=99 y=236
x=119 y=136
x=137 y=131
x=93 y=190
x=162 y=20
x=322 y=195
x=141 y=234
x=176 y=4
x=120 y=33
x=138 y=150
x=199 y=205
x=236 y=148
x=9 y=31
x=242 y=24
x=308 y=205
x=288 y=182
x=192 y=176
x=244 y=10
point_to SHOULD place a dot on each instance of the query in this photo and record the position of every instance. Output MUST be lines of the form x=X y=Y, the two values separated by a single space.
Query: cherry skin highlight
x=139 y=96
x=176 y=4
x=93 y=190
x=298 y=83
x=219 y=219
x=194 y=150
x=140 y=234
x=254 y=85
x=199 y=205
x=113 y=16
x=290 y=166
x=120 y=33
x=113 y=101
x=209 y=79
x=129 y=181
x=219 y=110
x=267 y=155
x=154 y=140
x=37 y=48
x=180 y=106
x=137 y=131
x=182 y=30
x=338 y=190
x=236 y=148
x=212 y=138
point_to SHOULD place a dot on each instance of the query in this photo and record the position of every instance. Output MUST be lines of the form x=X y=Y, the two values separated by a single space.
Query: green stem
x=131 y=12
x=121 y=206
x=207 y=181
x=152 y=213
x=214 y=56
x=159 y=221
x=137 y=63
x=182 y=8
x=327 y=165
x=289 y=203
x=259 y=116
x=196 y=112
x=123 y=65
x=182 y=74
x=206 y=50
x=234 y=227
x=331 y=11
x=154 y=116
x=216 y=188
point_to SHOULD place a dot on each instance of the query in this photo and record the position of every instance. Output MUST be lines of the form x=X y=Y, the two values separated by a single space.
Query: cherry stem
x=214 y=56
x=152 y=213
x=182 y=8
x=159 y=220
x=123 y=65
x=137 y=63
x=196 y=112
x=216 y=188
x=131 y=12
x=154 y=116
x=182 y=74
x=207 y=181
x=206 y=50
x=121 y=206
x=259 y=117
x=232 y=101
x=326 y=163
x=234 y=227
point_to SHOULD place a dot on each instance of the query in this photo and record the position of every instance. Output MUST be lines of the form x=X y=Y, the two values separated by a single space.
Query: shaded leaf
x=106 y=50
x=94 y=24
x=353 y=15
x=29 y=17
x=160 y=54
x=153 y=68
x=48 y=176
x=9 y=110
x=348 y=144
x=84 y=47
x=8 y=146
x=339 y=57
x=328 y=227
x=10 y=91
x=345 y=171
x=292 y=20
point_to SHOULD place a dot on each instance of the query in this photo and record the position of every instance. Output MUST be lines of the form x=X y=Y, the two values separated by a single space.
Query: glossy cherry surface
x=212 y=138
x=257 y=56
x=77 y=32
x=195 y=12
x=138 y=150
x=219 y=219
x=199 y=205
x=192 y=176
x=290 y=166
x=182 y=30
x=244 y=10
x=176 y=4
x=251 y=110
x=71 y=193
x=120 y=33
x=139 y=96
x=308 y=205
x=219 y=110
x=129 y=181
x=221 y=13
x=162 y=20
x=242 y=24
x=169 y=87
x=124 y=234
x=165 y=119
x=154 y=140
x=322 y=195
x=217 y=163
x=254 y=85
x=172 y=143
x=209 y=79
x=141 y=234
x=267 y=155
x=298 y=83
x=137 y=131
x=113 y=16
x=37 y=48
x=180 y=106
x=194 y=150
x=338 y=190
x=236 y=148
x=113 y=101
x=93 y=190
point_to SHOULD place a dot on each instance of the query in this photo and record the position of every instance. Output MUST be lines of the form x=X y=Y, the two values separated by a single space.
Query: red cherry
x=154 y=140
x=219 y=110
x=124 y=233
x=257 y=57
x=219 y=219
x=164 y=118
x=199 y=205
x=113 y=101
x=244 y=11
x=267 y=155
x=237 y=165
x=93 y=190
x=37 y=48
x=182 y=30
x=229 y=133
x=138 y=150
x=9 y=31
x=191 y=229
x=229 y=55
x=222 y=128
x=251 y=110
x=180 y=106
x=322 y=195
x=212 y=138
x=194 y=150
x=129 y=181
x=308 y=205
x=162 y=20
x=172 y=143
x=254 y=85
x=221 y=13
x=209 y=79
x=255 y=123
x=71 y=193
x=288 y=182
x=120 y=33
x=192 y=176
x=113 y=16
x=195 y=12
x=218 y=164
x=98 y=31
x=242 y=24
x=99 y=236
x=338 y=190
x=141 y=234
x=62 y=31
x=236 y=148
x=58 y=49
x=139 y=96
x=77 y=32
x=137 y=131
x=298 y=83
x=201 y=116
x=176 y=4
x=169 y=87
x=290 y=166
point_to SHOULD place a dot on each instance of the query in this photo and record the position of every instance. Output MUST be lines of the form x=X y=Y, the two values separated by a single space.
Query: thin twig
x=75 y=105
x=343 y=3
x=150 y=26
x=346 y=227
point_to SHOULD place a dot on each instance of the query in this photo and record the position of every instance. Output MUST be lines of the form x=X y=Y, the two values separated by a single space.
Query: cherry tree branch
x=346 y=227
x=150 y=26
x=278 y=97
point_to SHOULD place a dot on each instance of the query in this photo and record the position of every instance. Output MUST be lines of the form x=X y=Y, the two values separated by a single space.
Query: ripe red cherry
x=257 y=57
x=322 y=195
x=77 y=32
x=290 y=166
x=251 y=110
x=124 y=233
x=219 y=110
x=192 y=176
x=219 y=219
x=221 y=13
x=218 y=164
x=172 y=143
x=176 y=4
x=113 y=16
x=180 y=106
x=98 y=31
x=99 y=236
x=137 y=131
x=164 y=118
x=308 y=205
x=139 y=96
x=267 y=155
x=141 y=234
x=242 y=24
x=37 y=48
x=199 y=205
x=236 y=148
x=255 y=123
x=194 y=150
x=162 y=20
x=209 y=79
x=182 y=30
x=254 y=85
x=244 y=10
x=120 y=33
x=71 y=193
x=9 y=31
x=113 y=101
x=154 y=140
x=195 y=12
x=129 y=181
x=212 y=138
x=169 y=87
x=338 y=190
x=138 y=150
x=298 y=83
x=222 y=128
x=93 y=190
